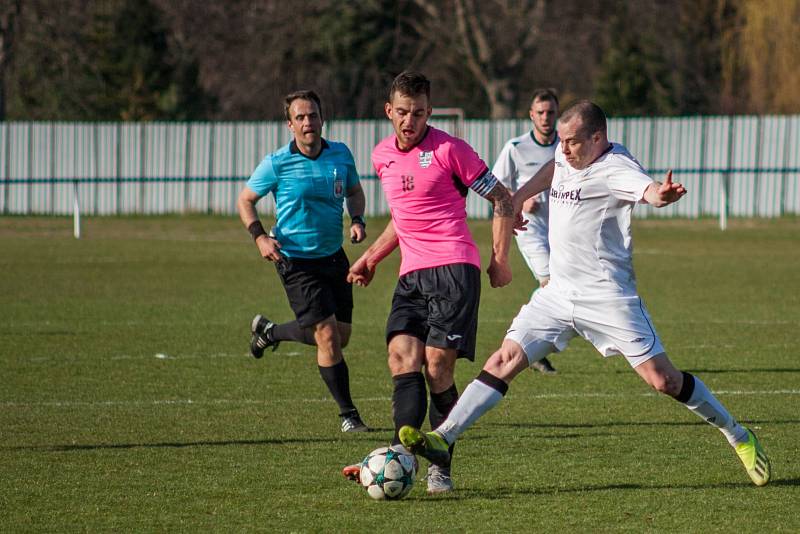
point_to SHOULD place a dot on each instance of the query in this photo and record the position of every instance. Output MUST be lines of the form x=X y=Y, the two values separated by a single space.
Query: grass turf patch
x=130 y=402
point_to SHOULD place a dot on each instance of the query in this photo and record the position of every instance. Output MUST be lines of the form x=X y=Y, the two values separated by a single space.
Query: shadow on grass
x=370 y=436
x=754 y=370
x=27 y=333
x=613 y=424
x=503 y=493
x=180 y=445
x=627 y=371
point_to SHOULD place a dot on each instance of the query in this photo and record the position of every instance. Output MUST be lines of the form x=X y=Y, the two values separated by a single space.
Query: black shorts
x=439 y=306
x=317 y=288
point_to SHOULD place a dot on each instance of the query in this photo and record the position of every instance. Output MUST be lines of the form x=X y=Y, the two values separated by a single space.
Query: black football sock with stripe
x=480 y=396
x=409 y=402
x=337 y=378
x=441 y=404
x=700 y=401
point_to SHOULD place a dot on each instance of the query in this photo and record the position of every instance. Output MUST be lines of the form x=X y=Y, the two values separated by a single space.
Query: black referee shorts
x=439 y=306
x=317 y=288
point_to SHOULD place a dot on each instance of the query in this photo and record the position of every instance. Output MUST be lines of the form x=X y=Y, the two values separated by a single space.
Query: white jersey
x=520 y=159
x=590 y=225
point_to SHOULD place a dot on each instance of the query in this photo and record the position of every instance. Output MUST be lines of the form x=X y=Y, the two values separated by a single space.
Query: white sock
x=477 y=399
x=704 y=404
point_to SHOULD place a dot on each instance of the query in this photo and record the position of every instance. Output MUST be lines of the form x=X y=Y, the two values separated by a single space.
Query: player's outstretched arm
x=356 y=204
x=663 y=194
x=268 y=246
x=540 y=181
x=363 y=269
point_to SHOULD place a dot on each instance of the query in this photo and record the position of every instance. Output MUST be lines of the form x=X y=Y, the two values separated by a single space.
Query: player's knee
x=440 y=366
x=395 y=359
x=665 y=383
x=326 y=332
x=401 y=363
x=326 y=339
x=345 y=330
x=439 y=370
x=505 y=361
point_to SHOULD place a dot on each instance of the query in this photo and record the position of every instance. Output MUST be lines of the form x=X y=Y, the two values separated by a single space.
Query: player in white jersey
x=594 y=185
x=520 y=159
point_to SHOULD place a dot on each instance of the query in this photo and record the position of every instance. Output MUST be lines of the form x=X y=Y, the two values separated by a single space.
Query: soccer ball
x=388 y=473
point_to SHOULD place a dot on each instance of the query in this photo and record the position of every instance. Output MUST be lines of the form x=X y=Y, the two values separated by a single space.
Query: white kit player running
x=592 y=293
x=520 y=159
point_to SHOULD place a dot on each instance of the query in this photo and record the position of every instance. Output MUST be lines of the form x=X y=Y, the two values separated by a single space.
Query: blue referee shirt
x=309 y=196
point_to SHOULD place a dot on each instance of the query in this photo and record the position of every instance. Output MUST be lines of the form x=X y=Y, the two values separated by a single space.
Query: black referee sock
x=337 y=378
x=441 y=404
x=409 y=402
x=293 y=332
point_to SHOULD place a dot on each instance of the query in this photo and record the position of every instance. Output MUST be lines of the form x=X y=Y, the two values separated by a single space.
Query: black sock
x=337 y=378
x=409 y=402
x=686 y=389
x=441 y=404
x=493 y=382
x=293 y=332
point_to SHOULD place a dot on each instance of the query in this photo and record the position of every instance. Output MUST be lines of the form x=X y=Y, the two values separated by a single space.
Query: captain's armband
x=485 y=184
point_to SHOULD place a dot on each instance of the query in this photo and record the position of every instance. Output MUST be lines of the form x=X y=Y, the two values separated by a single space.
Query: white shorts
x=618 y=325
x=536 y=253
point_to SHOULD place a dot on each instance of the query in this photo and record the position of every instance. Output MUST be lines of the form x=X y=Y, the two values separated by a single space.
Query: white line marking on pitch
x=671 y=349
x=163 y=356
x=191 y=402
x=746 y=322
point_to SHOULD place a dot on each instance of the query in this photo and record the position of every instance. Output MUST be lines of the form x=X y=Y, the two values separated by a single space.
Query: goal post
x=449 y=119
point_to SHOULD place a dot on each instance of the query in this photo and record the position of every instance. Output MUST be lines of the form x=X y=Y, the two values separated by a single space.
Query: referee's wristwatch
x=358 y=219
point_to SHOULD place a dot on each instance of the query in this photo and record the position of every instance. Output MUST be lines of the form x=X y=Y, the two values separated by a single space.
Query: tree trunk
x=8 y=19
x=501 y=98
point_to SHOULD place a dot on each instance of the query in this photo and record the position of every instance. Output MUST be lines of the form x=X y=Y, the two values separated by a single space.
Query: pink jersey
x=426 y=189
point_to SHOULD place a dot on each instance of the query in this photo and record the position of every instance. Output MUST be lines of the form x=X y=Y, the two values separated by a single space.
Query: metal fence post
x=76 y=210
x=187 y=165
x=7 y=184
x=757 y=175
x=726 y=177
x=211 y=151
x=118 y=168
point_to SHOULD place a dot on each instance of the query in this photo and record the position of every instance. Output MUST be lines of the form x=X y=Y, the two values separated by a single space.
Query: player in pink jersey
x=426 y=174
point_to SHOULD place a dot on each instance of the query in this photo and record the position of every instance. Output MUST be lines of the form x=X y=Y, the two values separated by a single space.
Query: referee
x=310 y=179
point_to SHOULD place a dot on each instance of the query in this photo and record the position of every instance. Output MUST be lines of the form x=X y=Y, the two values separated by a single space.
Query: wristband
x=256 y=229
x=358 y=219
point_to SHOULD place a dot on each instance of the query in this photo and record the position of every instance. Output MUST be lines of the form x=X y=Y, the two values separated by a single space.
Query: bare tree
x=250 y=52
x=9 y=17
x=493 y=39
x=769 y=30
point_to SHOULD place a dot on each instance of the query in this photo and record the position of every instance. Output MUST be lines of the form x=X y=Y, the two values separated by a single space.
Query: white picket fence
x=749 y=164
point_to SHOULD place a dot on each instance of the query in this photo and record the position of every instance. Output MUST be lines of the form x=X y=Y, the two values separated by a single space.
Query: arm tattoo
x=503 y=206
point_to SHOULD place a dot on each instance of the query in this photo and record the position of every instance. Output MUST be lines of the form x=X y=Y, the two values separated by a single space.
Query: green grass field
x=129 y=400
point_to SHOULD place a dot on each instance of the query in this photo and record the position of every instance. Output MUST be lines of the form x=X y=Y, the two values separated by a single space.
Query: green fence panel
x=751 y=164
